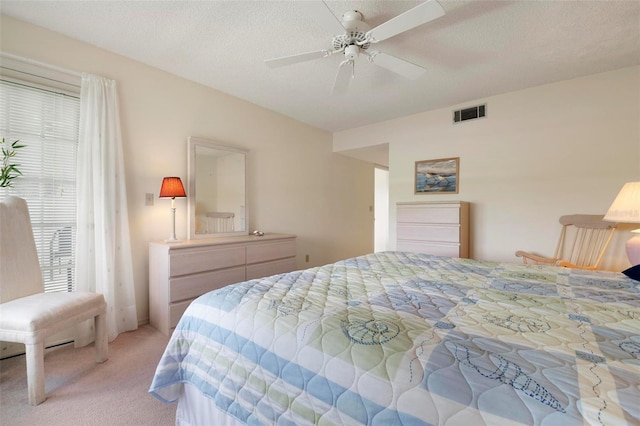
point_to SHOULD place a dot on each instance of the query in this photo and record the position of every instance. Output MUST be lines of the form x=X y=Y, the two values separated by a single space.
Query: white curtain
x=103 y=261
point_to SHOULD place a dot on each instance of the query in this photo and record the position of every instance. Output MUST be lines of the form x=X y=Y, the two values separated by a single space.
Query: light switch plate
x=148 y=199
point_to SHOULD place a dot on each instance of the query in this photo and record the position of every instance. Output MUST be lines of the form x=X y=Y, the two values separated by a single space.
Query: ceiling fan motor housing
x=356 y=31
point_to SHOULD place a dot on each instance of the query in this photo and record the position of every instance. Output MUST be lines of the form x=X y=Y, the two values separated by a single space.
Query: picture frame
x=439 y=176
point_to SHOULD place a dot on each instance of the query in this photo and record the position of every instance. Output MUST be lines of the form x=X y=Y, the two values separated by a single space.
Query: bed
x=398 y=338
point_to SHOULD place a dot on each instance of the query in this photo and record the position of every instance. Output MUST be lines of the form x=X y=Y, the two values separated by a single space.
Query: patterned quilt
x=399 y=338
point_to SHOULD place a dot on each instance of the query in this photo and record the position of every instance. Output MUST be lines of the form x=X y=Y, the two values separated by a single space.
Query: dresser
x=180 y=272
x=440 y=228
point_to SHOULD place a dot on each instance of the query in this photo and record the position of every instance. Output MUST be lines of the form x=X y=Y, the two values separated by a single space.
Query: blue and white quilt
x=399 y=338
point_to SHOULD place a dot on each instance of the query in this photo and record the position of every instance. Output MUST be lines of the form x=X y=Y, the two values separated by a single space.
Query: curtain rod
x=40 y=64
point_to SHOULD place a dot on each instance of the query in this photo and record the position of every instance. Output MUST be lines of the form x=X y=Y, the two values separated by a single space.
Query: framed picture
x=437 y=176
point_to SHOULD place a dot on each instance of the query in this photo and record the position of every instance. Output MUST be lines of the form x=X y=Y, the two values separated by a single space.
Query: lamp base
x=172 y=237
x=633 y=250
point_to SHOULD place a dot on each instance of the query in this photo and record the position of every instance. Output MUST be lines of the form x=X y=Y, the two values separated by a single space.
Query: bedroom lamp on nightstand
x=626 y=209
x=172 y=188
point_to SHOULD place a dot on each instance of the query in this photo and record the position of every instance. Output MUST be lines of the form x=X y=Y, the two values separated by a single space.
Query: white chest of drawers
x=180 y=272
x=440 y=228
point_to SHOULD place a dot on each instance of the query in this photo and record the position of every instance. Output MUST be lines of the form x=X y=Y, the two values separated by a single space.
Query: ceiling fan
x=353 y=37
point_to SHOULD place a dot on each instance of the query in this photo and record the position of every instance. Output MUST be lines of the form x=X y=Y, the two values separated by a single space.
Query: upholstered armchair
x=27 y=314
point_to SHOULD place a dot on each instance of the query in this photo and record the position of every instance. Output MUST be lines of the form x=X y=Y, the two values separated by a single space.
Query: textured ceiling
x=477 y=49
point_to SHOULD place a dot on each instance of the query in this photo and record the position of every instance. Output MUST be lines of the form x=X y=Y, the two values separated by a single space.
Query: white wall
x=296 y=184
x=540 y=153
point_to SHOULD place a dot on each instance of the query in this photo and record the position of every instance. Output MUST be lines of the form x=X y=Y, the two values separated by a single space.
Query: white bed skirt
x=195 y=409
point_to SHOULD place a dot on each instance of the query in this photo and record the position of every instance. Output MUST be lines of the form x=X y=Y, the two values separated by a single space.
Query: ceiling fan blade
x=421 y=14
x=397 y=65
x=321 y=13
x=343 y=78
x=294 y=59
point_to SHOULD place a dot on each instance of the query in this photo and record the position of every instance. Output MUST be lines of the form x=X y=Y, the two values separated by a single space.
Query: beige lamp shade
x=626 y=207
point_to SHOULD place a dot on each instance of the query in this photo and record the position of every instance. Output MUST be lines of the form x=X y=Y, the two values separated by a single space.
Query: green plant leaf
x=9 y=171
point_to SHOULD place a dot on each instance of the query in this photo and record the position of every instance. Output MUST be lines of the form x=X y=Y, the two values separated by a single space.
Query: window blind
x=47 y=123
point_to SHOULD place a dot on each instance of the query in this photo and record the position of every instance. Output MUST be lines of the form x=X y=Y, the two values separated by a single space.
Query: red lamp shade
x=172 y=188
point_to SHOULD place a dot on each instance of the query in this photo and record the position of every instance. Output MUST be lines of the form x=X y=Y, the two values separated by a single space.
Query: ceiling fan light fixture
x=351 y=52
x=355 y=36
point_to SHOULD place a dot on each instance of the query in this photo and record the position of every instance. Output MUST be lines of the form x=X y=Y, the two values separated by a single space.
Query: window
x=46 y=121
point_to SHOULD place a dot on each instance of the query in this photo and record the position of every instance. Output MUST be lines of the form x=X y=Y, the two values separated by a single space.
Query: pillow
x=633 y=272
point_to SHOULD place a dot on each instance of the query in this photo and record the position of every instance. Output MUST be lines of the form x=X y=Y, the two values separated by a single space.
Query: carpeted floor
x=81 y=392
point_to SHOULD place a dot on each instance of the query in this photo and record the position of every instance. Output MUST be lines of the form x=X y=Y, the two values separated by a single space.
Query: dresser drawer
x=436 y=249
x=419 y=214
x=263 y=252
x=191 y=286
x=440 y=233
x=201 y=259
x=175 y=313
x=260 y=270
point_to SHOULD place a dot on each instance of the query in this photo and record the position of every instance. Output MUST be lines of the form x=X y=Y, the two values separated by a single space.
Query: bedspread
x=412 y=339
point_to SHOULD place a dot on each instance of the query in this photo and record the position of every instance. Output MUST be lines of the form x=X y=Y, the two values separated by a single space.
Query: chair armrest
x=567 y=264
x=534 y=257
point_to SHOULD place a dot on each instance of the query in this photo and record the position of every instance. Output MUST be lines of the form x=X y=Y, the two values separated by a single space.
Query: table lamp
x=172 y=188
x=626 y=209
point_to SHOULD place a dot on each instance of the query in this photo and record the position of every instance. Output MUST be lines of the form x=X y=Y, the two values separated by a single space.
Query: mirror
x=217 y=196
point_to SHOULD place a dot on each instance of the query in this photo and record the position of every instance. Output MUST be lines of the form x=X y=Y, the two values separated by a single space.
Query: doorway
x=381 y=208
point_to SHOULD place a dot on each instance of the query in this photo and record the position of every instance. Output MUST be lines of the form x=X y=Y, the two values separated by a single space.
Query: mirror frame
x=192 y=143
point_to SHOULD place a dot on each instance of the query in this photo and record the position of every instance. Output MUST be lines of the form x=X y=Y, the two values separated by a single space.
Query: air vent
x=470 y=113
